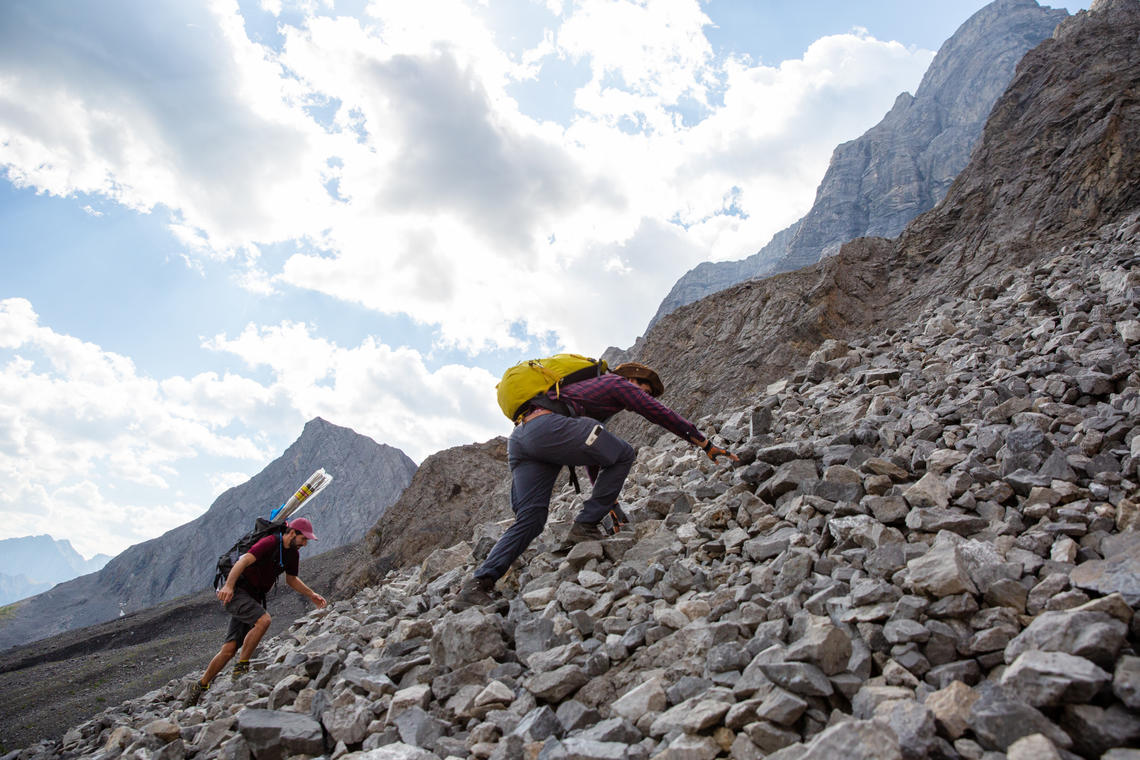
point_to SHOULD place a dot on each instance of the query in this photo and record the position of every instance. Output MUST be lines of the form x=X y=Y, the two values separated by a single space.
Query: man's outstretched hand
x=712 y=452
x=715 y=451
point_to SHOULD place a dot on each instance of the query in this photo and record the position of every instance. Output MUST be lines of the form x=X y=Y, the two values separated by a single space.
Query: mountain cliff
x=1054 y=165
x=367 y=478
x=902 y=166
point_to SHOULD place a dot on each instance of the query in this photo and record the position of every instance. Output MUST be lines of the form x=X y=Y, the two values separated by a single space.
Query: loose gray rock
x=1095 y=636
x=912 y=723
x=1052 y=678
x=940 y=572
x=855 y=739
x=466 y=637
x=1118 y=573
x=1126 y=681
x=999 y=719
x=556 y=685
x=274 y=735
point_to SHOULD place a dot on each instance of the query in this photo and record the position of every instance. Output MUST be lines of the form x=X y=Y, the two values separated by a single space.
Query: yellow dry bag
x=525 y=380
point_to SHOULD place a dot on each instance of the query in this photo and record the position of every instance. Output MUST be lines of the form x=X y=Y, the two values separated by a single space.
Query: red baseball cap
x=304 y=527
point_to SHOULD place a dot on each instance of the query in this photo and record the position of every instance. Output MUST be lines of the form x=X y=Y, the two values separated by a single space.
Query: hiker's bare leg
x=224 y=655
x=253 y=638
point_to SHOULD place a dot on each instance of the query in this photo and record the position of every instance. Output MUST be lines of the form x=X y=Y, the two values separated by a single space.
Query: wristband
x=707 y=445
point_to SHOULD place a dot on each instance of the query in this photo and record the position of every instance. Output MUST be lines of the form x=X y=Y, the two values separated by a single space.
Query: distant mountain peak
x=33 y=564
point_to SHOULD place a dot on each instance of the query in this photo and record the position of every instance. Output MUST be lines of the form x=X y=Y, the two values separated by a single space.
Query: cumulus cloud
x=422 y=189
x=189 y=114
x=86 y=438
x=77 y=422
x=468 y=198
x=386 y=393
x=645 y=57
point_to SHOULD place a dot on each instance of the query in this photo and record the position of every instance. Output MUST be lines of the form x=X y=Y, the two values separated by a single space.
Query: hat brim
x=638 y=371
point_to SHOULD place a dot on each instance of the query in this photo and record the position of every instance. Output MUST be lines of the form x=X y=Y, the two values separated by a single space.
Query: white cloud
x=94 y=523
x=645 y=56
x=220 y=482
x=76 y=420
x=194 y=117
x=447 y=197
x=386 y=393
x=76 y=397
x=82 y=431
x=455 y=198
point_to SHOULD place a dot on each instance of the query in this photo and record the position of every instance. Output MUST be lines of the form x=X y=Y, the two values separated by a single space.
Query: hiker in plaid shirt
x=545 y=441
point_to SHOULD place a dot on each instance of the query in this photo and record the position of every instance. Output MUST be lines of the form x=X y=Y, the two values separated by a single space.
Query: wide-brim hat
x=638 y=371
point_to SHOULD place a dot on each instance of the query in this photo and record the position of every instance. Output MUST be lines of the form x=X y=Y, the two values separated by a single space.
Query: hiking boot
x=476 y=592
x=581 y=531
x=615 y=520
x=241 y=667
x=195 y=693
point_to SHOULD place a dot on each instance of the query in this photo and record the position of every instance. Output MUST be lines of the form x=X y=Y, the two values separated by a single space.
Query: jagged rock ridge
x=367 y=478
x=1054 y=164
x=902 y=166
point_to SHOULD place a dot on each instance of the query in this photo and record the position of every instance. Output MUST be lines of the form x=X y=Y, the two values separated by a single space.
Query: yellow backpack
x=534 y=377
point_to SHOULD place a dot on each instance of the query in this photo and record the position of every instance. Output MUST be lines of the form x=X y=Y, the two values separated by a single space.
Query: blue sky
x=223 y=218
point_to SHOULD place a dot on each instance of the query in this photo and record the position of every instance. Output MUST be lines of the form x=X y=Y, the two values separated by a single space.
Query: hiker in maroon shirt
x=565 y=428
x=243 y=597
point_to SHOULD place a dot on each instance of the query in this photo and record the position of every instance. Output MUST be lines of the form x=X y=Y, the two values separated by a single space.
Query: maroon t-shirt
x=270 y=554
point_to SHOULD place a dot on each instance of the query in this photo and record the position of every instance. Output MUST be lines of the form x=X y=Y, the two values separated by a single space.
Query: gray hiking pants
x=536 y=452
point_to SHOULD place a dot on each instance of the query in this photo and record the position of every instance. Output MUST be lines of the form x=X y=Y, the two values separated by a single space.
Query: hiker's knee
x=611 y=451
x=531 y=523
x=228 y=649
x=626 y=452
x=263 y=621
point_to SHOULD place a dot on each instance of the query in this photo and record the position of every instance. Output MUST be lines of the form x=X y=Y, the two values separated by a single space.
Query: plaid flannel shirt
x=603 y=397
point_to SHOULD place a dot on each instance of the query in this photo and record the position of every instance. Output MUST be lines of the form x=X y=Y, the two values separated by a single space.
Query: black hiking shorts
x=245 y=610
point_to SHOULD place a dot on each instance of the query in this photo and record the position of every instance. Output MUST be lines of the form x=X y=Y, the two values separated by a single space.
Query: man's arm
x=711 y=451
x=226 y=592
x=637 y=400
x=299 y=586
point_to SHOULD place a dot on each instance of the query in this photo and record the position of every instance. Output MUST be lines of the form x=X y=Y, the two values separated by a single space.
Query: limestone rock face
x=367 y=478
x=1054 y=159
x=902 y=166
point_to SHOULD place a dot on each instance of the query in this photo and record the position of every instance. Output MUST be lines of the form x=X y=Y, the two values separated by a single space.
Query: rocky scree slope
x=452 y=491
x=368 y=477
x=902 y=166
x=928 y=550
x=1056 y=163
x=51 y=684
